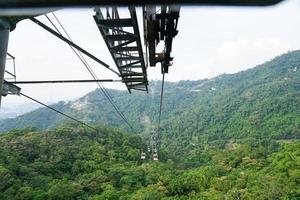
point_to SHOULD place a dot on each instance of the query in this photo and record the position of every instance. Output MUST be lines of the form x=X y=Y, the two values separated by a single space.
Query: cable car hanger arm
x=65 y=81
x=37 y=4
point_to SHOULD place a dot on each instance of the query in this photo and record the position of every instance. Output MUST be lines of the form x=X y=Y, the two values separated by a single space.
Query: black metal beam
x=72 y=44
x=128 y=59
x=10 y=55
x=133 y=74
x=134 y=48
x=121 y=45
x=112 y=28
x=115 y=22
x=121 y=37
x=18 y=5
x=10 y=73
x=135 y=85
x=139 y=45
x=131 y=65
x=64 y=81
x=4 y=35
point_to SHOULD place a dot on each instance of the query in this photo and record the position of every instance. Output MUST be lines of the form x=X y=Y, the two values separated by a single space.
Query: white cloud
x=243 y=53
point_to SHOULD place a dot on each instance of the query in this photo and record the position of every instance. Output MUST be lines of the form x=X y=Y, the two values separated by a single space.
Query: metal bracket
x=9 y=88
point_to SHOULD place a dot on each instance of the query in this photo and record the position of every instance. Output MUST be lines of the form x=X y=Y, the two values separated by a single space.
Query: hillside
x=262 y=102
x=231 y=137
x=73 y=163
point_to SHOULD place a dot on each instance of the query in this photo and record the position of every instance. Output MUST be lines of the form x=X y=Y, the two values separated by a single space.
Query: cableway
x=155 y=137
x=122 y=38
x=161 y=100
x=90 y=70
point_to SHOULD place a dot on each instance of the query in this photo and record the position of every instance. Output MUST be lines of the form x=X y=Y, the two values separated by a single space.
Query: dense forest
x=230 y=137
x=74 y=163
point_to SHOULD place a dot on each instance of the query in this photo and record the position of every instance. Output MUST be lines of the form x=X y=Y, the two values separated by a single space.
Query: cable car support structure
x=123 y=40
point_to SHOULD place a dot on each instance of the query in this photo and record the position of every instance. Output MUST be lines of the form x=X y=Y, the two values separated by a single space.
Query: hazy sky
x=211 y=41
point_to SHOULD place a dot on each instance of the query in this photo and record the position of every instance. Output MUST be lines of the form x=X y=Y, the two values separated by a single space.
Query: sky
x=211 y=41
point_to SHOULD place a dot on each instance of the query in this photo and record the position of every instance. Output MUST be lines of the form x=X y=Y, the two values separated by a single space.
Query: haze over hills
x=14 y=110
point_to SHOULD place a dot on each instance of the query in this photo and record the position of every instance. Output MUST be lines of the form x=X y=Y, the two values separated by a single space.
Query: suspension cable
x=100 y=85
x=59 y=112
x=161 y=98
x=85 y=63
x=156 y=137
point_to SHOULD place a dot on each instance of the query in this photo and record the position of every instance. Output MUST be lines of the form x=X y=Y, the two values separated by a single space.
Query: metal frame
x=64 y=81
x=12 y=75
x=160 y=25
x=122 y=38
x=5 y=27
x=10 y=88
x=18 y=5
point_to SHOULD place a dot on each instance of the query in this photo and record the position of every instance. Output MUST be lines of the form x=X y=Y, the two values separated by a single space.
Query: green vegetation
x=73 y=163
x=232 y=137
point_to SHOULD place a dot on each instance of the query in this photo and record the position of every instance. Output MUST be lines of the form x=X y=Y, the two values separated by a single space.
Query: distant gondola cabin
x=143 y=156
x=155 y=157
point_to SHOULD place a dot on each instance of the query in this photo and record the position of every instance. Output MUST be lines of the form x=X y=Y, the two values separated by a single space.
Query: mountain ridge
x=232 y=137
x=271 y=87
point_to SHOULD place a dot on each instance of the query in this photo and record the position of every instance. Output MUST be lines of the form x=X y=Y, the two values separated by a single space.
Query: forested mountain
x=231 y=137
x=260 y=102
x=74 y=163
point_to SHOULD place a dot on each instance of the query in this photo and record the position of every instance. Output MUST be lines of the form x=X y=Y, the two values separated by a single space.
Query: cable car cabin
x=155 y=157
x=143 y=156
x=149 y=150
